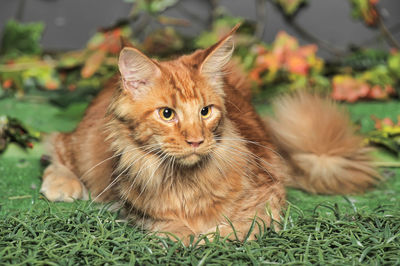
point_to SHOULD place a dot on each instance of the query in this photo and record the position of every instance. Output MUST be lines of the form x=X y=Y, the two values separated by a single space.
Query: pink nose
x=195 y=143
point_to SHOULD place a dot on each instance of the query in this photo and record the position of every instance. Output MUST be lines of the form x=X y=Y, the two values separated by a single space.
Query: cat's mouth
x=190 y=159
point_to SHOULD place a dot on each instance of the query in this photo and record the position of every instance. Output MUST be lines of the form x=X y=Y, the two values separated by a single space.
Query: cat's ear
x=217 y=56
x=137 y=71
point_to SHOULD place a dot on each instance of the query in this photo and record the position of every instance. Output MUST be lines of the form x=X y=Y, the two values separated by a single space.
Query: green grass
x=78 y=234
x=356 y=229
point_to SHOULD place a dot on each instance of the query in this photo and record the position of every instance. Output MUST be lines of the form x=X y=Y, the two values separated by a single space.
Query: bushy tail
x=317 y=138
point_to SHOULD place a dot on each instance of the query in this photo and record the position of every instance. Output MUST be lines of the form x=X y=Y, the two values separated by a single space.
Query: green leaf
x=365 y=10
x=152 y=6
x=391 y=142
x=394 y=64
x=290 y=6
x=20 y=38
x=157 y=6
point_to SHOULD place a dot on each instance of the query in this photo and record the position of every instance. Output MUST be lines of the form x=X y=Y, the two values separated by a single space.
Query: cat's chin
x=190 y=160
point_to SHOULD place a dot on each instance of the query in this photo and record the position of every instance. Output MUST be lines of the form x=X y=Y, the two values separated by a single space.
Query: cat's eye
x=166 y=114
x=206 y=112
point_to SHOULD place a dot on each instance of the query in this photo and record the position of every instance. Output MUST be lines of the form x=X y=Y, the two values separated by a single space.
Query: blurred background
x=70 y=23
x=59 y=53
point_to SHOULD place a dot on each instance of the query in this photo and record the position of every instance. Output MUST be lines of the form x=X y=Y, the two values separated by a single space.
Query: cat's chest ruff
x=206 y=192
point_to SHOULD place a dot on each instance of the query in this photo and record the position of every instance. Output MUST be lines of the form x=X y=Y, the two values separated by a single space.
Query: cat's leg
x=241 y=229
x=61 y=184
x=244 y=229
x=172 y=229
x=256 y=213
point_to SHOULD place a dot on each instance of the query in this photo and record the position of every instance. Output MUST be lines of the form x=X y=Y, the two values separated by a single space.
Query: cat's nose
x=195 y=142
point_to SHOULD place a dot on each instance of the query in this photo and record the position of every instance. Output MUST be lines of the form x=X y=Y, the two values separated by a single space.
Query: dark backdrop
x=69 y=23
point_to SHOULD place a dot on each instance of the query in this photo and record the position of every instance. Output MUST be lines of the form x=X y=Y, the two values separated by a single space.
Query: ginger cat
x=179 y=144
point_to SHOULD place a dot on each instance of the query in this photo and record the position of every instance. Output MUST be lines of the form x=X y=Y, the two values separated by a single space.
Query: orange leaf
x=378 y=122
x=384 y=122
x=51 y=85
x=297 y=65
x=255 y=74
x=270 y=61
x=285 y=41
x=347 y=88
x=387 y=122
x=307 y=50
x=389 y=90
x=93 y=63
x=72 y=87
x=7 y=83
x=376 y=92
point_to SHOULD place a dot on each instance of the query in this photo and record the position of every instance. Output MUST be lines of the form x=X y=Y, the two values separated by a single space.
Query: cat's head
x=175 y=107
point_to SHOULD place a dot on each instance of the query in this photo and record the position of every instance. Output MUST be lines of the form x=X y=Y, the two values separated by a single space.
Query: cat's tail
x=317 y=138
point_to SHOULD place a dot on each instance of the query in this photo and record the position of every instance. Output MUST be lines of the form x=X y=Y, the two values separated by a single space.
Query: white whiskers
x=153 y=148
x=250 y=157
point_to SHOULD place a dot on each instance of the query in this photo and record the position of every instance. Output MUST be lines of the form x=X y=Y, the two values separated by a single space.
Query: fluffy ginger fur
x=180 y=146
x=316 y=137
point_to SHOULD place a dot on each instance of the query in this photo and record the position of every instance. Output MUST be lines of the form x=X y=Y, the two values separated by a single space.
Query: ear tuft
x=217 y=56
x=137 y=70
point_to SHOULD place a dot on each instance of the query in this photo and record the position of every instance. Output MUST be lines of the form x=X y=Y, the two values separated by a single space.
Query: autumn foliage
x=366 y=10
x=286 y=55
x=350 y=89
x=284 y=65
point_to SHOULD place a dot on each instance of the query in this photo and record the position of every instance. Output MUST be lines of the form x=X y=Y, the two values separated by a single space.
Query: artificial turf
x=355 y=229
x=78 y=234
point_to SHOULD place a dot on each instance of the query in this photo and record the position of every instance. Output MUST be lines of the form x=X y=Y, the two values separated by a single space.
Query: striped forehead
x=182 y=82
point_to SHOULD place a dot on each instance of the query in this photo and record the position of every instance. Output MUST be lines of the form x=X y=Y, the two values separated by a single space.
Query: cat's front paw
x=239 y=232
x=60 y=184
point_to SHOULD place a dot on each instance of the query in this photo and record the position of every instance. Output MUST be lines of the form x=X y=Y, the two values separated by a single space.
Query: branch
x=214 y=10
x=393 y=29
x=20 y=10
x=261 y=15
x=387 y=34
x=192 y=15
x=309 y=36
x=143 y=21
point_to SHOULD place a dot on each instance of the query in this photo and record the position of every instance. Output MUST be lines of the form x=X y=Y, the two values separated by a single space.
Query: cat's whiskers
x=232 y=164
x=168 y=165
x=153 y=147
x=122 y=172
x=215 y=158
x=253 y=156
x=168 y=169
x=138 y=173
x=163 y=158
x=234 y=105
x=233 y=150
x=161 y=161
x=177 y=151
x=244 y=152
x=111 y=157
x=125 y=194
x=172 y=167
x=251 y=142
